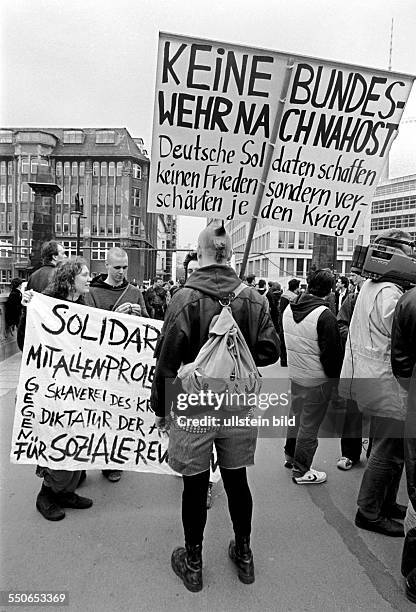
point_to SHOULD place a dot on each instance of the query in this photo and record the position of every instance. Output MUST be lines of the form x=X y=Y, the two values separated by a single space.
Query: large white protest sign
x=304 y=138
x=84 y=387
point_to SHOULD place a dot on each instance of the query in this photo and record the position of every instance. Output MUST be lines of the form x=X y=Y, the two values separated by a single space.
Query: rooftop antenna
x=386 y=170
x=391 y=42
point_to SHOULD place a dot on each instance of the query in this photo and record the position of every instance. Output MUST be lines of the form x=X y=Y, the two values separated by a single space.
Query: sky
x=92 y=63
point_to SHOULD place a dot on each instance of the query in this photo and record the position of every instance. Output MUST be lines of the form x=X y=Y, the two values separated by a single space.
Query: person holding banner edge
x=183 y=334
x=70 y=283
x=112 y=291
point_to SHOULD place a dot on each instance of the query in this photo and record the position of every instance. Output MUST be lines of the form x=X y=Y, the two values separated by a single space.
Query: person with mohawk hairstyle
x=184 y=332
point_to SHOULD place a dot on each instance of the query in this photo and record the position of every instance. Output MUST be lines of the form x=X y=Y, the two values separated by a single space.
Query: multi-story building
x=109 y=171
x=394 y=206
x=282 y=254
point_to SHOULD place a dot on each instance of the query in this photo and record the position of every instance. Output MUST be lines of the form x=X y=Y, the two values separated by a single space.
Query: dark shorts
x=190 y=453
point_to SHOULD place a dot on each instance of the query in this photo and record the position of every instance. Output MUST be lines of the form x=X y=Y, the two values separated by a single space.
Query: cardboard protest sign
x=303 y=139
x=84 y=387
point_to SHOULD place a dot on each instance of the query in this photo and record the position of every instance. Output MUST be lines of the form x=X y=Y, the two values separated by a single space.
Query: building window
x=302 y=240
x=25 y=165
x=10 y=193
x=299 y=267
x=265 y=267
x=5 y=248
x=137 y=171
x=111 y=169
x=135 y=226
x=350 y=247
x=96 y=169
x=137 y=196
x=6 y=137
x=103 y=169
x=58 y=169
x=34 y=162
x=3 y=193
x=24 y=192
x=82 y=168
x=290 y=240
x=119 y=168
x=340 y=244
x=5 y=276
x=281 y=243
x=105 y=137
x=74 y=168
x=10 y=168
x=73 y=137
x=99 y=249
x=3 y=167
x=70 y=247
x=290 y=262
x=67 y=168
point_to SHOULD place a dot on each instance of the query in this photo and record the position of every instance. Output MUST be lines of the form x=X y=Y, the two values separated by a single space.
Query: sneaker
x=311 y=477
x=72 y=500
x=345 y=464
x=383 y=525
x=112 y=475
x=47 y=505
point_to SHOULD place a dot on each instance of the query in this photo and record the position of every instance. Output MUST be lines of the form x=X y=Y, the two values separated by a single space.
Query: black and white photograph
x=208 y=305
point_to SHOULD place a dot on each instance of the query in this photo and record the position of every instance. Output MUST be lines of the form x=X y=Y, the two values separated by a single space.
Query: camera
x=384 y=262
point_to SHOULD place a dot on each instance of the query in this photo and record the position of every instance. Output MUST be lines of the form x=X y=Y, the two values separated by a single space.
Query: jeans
x=309 y=405
x=384 y=469
x=351 y=441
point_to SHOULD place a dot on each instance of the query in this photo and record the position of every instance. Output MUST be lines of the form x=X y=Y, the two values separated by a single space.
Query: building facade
x=394 y=206
x=106 y=168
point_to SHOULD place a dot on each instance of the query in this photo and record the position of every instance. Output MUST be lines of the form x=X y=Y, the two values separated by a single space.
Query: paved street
x=116 y=556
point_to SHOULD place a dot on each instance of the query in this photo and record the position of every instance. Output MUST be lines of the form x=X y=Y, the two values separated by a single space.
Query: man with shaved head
x=112 y=291
x=184 y=332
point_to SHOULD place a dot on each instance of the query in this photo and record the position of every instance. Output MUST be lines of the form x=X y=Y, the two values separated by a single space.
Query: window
x=5 y=248
x=340 y=244
x=281 y=243
x=119 y=168
x=34 y=162
x=136 y=226
x=58 y=169
x=10 y=193
x=5 y=276
x=350 y=245
x=67 y=168
x=3 y=167
x=73 y=137
x=6 y=137
x=25 y=165
x=290 y=240
x=111 y=169
x=74 y=168
x=105 y=137
x=82 y=168
x=137 y=196
x=2 y=193
x=10 y=168
x=290 y=266
x=24 y=247
x=302 y=239
x=137 y=171
x=264 y=267
x=103 y=169
x=96 y=169
x=70 y=247
x=24 y=192
x=299 y=267
x=99 y=249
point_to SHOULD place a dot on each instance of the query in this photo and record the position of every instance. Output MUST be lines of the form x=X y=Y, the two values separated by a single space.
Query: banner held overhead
x=215 y=108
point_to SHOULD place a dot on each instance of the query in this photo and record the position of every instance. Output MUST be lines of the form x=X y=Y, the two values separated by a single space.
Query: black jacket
x=187 y=321
x=403 y=362
x=41 y=278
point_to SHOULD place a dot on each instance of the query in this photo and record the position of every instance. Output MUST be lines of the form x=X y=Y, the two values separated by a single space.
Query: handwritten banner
x=84 y=388
x=215 y=109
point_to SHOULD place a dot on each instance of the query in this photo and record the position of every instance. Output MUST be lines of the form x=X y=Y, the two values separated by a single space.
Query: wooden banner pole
x=271 y=144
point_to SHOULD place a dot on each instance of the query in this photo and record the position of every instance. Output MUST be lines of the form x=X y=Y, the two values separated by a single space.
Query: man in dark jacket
x=183 y=334
x=155 y=298
x=112 y=291
x=52 y=253
x=314 y=353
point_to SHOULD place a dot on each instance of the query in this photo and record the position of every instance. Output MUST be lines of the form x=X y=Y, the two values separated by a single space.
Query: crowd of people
x=348 y=341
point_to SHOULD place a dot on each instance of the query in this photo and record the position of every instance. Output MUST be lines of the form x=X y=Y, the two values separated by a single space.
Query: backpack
x=224 y=363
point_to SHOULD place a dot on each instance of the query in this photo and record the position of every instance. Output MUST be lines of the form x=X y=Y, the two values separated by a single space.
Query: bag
x=224 y=363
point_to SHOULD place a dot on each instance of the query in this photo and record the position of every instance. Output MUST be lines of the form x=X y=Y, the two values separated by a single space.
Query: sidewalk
x=9 y=373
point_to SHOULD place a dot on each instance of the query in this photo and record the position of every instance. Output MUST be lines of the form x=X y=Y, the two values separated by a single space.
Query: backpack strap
x=122 y=296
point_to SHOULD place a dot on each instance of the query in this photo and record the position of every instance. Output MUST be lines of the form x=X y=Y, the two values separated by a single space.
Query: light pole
x=78 y=211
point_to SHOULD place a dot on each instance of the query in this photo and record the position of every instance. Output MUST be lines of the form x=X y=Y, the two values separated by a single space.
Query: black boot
x=240 y=553
x=48 y=505
x=72 y=500
x=409 y=553
x=187 y=564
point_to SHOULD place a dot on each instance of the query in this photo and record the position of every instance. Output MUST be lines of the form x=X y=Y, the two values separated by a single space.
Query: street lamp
x=78 y=211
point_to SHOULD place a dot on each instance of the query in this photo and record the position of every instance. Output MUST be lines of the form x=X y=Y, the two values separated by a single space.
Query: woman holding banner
x=70 y=283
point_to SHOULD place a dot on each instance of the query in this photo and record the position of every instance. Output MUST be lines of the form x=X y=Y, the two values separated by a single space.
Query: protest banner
x=84 y=388
x=240 y=131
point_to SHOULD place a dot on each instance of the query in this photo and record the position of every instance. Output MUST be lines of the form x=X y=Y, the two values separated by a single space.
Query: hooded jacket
x=187 y=321
x=105 y=296
x=313 y=341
